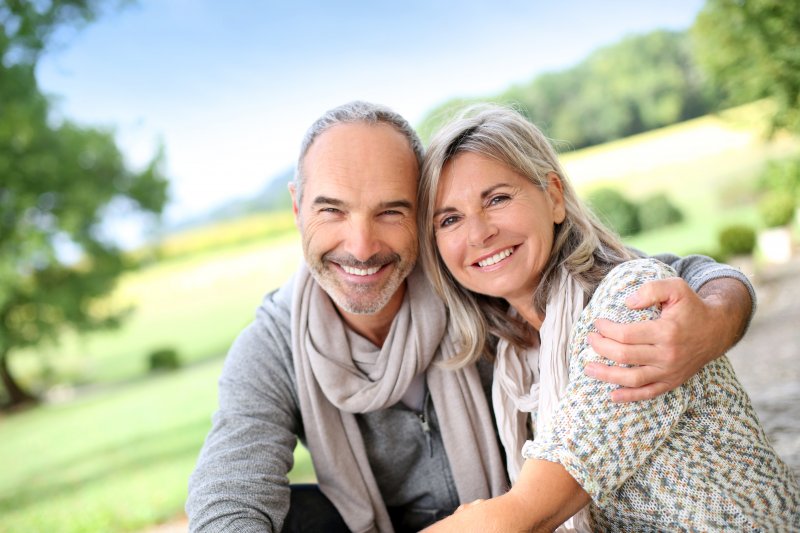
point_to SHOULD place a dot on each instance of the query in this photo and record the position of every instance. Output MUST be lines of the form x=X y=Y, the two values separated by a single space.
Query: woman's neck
x=528 y=312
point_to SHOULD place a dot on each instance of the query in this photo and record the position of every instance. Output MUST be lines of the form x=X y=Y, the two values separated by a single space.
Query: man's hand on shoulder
x=694 y=329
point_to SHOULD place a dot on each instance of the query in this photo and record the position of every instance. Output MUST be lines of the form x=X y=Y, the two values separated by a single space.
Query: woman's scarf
x=337 y=378
x=531 y=383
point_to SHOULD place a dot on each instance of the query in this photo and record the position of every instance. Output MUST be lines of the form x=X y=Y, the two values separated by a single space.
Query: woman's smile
x=494 y=258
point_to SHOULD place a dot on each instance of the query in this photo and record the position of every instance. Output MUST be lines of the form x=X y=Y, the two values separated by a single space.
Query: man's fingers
x=622 y=352
x=657 y=292
x=643 y=333
x=647 y=392
x=627 y=377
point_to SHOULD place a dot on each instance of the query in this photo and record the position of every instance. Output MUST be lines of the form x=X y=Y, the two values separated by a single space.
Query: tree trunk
x=17 y=396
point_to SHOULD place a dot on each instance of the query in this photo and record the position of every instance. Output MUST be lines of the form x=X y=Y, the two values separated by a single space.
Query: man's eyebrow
x=325 y=200
x=397 y=203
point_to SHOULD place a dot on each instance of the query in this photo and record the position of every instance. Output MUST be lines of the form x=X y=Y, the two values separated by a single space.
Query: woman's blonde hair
x=586 y=248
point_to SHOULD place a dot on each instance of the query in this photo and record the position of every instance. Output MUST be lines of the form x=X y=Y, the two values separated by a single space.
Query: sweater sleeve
x=599 y=442
x=240 y=481
x=697 y=270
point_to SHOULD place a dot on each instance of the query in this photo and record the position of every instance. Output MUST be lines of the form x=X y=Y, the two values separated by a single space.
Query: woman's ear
x=555 y=190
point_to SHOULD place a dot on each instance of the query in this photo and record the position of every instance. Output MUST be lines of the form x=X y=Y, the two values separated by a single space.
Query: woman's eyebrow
x=484 y=194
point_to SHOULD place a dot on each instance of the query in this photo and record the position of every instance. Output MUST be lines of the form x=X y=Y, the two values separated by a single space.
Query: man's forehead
x=348 y=139
x=358 y=159
x=348 y=190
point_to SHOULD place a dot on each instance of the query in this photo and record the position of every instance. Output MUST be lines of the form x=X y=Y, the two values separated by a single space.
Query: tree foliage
x=751 y=50
x=641 y=83
x=57 y=183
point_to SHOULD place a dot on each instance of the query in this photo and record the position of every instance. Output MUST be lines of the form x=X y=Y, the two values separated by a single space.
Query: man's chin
x=360 y=306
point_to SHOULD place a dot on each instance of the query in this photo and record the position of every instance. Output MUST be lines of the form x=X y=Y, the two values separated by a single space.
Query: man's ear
x=295 y=206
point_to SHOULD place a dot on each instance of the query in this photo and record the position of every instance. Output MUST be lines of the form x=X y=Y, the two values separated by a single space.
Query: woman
x=516 y=256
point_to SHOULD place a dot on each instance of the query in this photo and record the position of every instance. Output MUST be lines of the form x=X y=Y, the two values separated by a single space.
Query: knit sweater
x=693 y=459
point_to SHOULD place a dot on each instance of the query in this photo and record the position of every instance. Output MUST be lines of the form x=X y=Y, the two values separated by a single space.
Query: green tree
x=751 y=50
x=57 y=183
x=640 y=83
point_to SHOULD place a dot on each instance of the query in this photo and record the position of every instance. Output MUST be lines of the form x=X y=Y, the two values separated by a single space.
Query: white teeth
x=496 y=258
x=360 y=271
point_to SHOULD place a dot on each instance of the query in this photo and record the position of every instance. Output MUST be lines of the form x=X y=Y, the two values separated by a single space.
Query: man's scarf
x=333 y=385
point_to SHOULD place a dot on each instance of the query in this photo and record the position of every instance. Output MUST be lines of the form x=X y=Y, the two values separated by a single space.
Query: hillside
x=708 y=166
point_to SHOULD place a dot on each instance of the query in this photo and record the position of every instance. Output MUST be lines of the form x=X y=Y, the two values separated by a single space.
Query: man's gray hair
x=353 y=113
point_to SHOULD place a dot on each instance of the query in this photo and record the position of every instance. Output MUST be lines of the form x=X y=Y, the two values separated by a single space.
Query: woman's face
x=494 y=227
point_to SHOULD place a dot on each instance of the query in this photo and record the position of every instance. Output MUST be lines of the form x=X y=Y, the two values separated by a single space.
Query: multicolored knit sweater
x=694 y=459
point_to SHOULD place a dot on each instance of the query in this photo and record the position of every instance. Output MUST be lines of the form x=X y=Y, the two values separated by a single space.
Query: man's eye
x=331 y=210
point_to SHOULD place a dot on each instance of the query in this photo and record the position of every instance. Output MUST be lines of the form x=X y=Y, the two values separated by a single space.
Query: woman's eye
x=447 y=221
x=499 y=199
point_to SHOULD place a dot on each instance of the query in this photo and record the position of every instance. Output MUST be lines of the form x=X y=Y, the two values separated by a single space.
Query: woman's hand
x=467 y=505
x=544 y=496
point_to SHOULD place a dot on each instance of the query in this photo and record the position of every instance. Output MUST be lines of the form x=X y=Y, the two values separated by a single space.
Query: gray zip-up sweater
x=240 y=483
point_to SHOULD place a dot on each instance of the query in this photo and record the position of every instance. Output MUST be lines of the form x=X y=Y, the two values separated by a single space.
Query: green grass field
x=115 y=459
x=116 y=456
x=195 y=304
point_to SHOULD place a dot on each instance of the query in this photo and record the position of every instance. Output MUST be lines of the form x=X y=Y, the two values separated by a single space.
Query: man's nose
x=480 y=229
x=362 y=240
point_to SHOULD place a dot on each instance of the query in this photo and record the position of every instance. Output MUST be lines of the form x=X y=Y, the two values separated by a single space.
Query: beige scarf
x=332 y=387
x=532 y=383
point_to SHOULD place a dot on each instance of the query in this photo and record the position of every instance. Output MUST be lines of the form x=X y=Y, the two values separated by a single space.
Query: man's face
x=357 y=215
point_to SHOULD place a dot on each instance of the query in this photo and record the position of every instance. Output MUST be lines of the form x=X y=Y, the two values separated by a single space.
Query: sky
x=229 y=88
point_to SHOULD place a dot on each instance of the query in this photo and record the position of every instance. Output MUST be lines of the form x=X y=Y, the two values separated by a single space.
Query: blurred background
x=145 y=148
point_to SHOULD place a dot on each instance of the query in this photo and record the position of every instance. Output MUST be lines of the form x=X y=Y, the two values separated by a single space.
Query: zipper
x=426 y=427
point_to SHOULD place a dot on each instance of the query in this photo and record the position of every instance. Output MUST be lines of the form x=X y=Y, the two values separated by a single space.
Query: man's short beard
x=346 y=297
x=368 y=307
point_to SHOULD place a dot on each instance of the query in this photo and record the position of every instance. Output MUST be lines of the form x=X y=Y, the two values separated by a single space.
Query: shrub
x=737 y=239
x=781 y=176
x=614 y=209
x=777 y=209
x=163 y=359
x=657 y=211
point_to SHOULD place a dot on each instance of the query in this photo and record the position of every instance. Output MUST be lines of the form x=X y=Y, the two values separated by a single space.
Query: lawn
x=115 y=453
x=114 y=459
x=195 y=304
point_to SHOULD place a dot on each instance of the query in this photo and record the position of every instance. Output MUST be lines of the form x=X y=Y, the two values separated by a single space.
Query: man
x=344 y=355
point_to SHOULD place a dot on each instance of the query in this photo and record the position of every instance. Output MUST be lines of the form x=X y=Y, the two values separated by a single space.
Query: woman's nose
x=480 y=230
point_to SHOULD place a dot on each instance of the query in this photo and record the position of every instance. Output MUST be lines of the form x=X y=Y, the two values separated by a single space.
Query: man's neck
x=375 y=327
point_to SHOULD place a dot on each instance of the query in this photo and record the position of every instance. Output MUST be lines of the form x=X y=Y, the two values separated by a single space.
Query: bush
x=164 y=359
x=781 y=176
x=777 y=209
x=657 y=211
x=614 y=209
x=737 y=240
